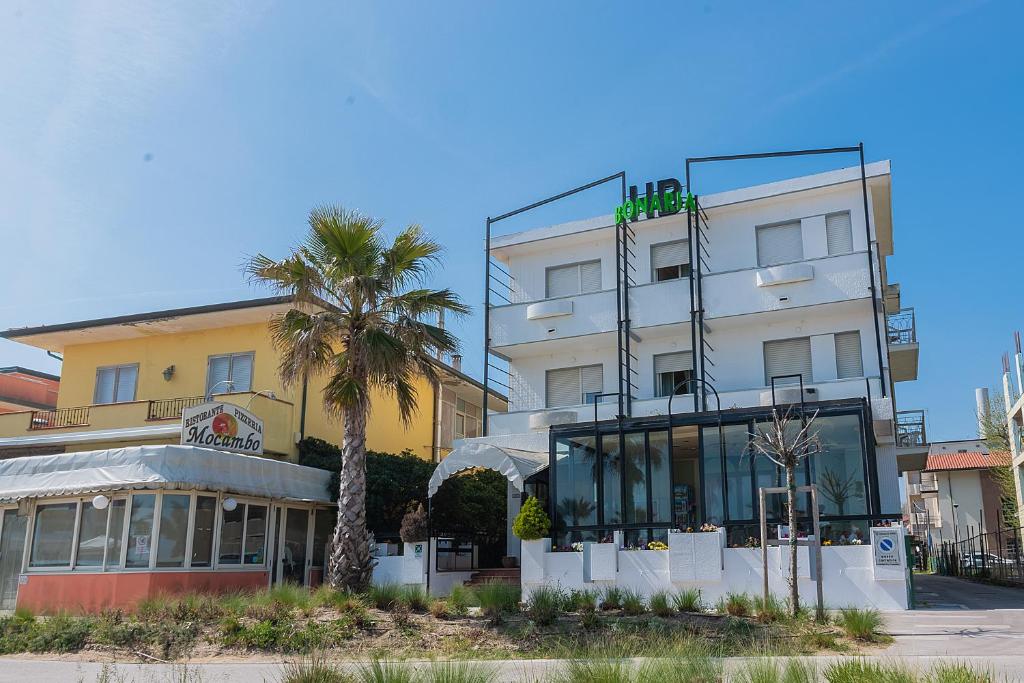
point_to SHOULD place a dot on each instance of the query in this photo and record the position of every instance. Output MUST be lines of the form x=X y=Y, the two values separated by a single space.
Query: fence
x=993 y=555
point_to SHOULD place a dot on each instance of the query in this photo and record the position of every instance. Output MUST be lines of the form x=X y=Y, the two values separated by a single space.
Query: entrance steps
x=482 y=576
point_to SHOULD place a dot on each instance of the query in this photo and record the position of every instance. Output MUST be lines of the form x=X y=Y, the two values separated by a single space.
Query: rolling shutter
x=562 y=281
x=241 y=372
x=591 y=380
x=126 y=376
x=779 y=244
x=839 y=232
x=217 y=375
x=590 y=277
x=673 y=362
x=849 y=361
x=569 y=386
x=669 y=254
x=104 y=385
x=787 y=357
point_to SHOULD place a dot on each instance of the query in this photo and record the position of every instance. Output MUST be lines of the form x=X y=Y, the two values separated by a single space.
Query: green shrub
x=768 y=611
x=688 y=600
x=60 y=633
x=497 y=598
x=633 y=603
x=595 y=671
x=735 y=604
x=580 y=600
x=460 y=600
x=384 y=596
x=661 y=604
x=612 y=598
x=313 y=669
x=591 y=620
x=861 y=624
x=532 y=522
x=415 y=598
x=959 y=672
x=544 y=605
x=866 y=671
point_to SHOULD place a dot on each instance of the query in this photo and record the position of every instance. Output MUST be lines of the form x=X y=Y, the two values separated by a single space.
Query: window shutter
x=673 y=362
x=787 y=357
x=591 y=380
x=218 y=372
x=849 y=361
x=241 y=372
x=839 y=232
x=104 y=385
x=779 y=244
x=669 y=254
x=126 y=376
x=590 y=277
x=562 y=387
x=562 y=281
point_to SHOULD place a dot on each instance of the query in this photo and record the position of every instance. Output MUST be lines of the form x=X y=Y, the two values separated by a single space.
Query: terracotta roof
x=971 y=460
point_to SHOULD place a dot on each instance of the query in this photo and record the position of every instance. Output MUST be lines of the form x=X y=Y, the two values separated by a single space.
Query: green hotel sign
x=662 y=199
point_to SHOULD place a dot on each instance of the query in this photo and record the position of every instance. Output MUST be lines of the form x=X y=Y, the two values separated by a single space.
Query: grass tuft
x=735 y=605
x=867 y=671
x=458 y=672
x=384 y=596
x=861 y=624
x=612 y=598
x=544 y=605
x=313 y=669
x=661 y=604
x=959 y=672
x=688 y=600
x=633 y=603
x=415 y=598
x=497 y=599
x=768 y=611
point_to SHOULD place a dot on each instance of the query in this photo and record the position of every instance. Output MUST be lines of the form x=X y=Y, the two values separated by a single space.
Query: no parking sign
x=886 y=546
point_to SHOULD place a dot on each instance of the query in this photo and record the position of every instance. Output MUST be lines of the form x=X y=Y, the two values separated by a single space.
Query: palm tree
x=358 y=318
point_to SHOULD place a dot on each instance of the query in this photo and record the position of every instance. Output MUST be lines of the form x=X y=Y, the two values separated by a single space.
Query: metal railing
x=901 y=327
x=61 y=417
x=995 y=555
x=170 y=408
x=910 y=430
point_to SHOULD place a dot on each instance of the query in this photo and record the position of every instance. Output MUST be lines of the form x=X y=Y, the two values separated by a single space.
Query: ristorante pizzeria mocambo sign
x=223 y=426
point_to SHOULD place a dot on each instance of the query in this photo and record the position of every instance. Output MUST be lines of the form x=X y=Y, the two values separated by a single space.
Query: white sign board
x=222 y=426
x=886 y=546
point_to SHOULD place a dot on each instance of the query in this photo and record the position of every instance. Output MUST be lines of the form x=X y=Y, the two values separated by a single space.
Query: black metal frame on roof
x=488 y=279
x=693 y=218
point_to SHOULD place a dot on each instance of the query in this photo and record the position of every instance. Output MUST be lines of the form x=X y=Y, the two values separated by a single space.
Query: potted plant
x=531 y=526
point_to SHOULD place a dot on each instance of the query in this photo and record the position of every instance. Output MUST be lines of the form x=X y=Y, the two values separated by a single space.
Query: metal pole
x=487 y=320
x=694 y=252
x=764 y=544
x=618 y=306
x=871 y=269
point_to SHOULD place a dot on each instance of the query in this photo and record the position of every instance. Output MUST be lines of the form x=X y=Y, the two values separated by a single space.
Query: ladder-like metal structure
x=625 y=269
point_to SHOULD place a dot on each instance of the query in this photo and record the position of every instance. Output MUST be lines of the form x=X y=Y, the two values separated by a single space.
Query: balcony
x=137 y=422
x=910 y=431
x=901 y=333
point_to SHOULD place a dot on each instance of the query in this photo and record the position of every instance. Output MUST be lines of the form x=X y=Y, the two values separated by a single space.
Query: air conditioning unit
x=788 y=395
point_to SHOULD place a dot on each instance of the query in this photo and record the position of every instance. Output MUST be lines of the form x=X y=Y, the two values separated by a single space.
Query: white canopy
x=160 y=467
x=515 y=464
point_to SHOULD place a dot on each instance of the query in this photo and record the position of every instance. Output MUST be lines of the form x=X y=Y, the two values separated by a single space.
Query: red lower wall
x=49 y=593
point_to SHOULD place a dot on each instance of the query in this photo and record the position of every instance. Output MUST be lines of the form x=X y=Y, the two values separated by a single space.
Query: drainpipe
x=302 y=410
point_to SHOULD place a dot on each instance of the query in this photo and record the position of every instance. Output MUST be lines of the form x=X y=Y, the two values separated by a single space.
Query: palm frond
x=418 y=303
x=344 y=243
x=305 y=341
x=409 y=257
x=292 y=275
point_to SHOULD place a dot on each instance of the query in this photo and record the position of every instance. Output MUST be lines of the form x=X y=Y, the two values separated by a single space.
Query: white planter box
x=414 y=563
x=695 y=556
x=532 y=569
x=600 y=561
x=778 y=558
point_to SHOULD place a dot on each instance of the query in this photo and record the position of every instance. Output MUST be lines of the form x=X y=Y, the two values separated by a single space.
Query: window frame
x=680 y=275
x=860 y=358
x=764 y=363
x=849 y=216
x=657 y=375
x=578 y=265
x=117 y=381
x=231 y=371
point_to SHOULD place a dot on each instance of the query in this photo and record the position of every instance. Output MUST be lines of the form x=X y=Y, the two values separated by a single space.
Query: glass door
x=294 y=545
x=12 y=546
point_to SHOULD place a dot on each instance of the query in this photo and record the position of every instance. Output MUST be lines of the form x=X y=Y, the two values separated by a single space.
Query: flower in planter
x=657 y=545
x=578 y=546
x=827 y=541
x=856 y=541
x=708 y=527
x=689 y=529
x=752 y=542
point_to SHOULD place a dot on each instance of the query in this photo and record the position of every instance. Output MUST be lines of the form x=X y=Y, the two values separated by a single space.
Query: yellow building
x=126 y=379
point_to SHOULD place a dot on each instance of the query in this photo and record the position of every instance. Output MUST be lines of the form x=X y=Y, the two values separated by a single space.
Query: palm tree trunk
x=794 y=595
x=350 y=563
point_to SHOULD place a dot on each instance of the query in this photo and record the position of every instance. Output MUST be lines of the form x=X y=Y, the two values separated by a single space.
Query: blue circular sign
x=885 y=544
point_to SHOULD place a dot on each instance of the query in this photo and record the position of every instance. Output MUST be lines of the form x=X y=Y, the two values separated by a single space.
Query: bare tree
x=787 y=441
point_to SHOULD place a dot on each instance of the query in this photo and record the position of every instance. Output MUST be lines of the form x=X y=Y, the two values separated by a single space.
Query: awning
x=515 y=464
x=160 y=467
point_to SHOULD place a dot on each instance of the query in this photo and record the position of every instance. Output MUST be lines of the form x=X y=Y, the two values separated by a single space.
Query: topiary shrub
x=532 y=522
x=414 y=524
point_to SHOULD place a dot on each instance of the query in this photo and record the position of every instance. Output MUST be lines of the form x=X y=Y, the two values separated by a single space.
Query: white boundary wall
x=700 y=560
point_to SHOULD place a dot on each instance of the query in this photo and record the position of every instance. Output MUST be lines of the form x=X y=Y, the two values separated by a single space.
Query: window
x=839 y=233
x=779 y=244
x=577 y=278
x=243 y=535
x=53 y=535
x=115 y=384
x=92 y=536
x=255 y=533
x=671 y=370
x=467 y=419
x=202 y=531
x=231 y=527
x=573 y=386
x=323 y=527
x=839 y=470
x=670 y=260
x=849 y=361
x=170 y=551
x=784 y=357
x=140 y=530
x=230 y=373
x=577 y=485
x=117 y=508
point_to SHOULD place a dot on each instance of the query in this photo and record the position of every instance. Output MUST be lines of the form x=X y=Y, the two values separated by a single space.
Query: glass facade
x=637 y=482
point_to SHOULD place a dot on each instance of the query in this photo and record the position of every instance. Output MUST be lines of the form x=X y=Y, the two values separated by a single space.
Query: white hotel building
x=792 y=286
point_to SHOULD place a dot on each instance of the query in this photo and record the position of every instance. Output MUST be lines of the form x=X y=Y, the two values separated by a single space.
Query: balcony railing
x=901 y=327
x=170 y=408
x=61 y=417
x=910 y=431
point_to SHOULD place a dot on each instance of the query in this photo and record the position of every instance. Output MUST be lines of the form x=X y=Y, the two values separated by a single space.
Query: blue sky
x=146 y=148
